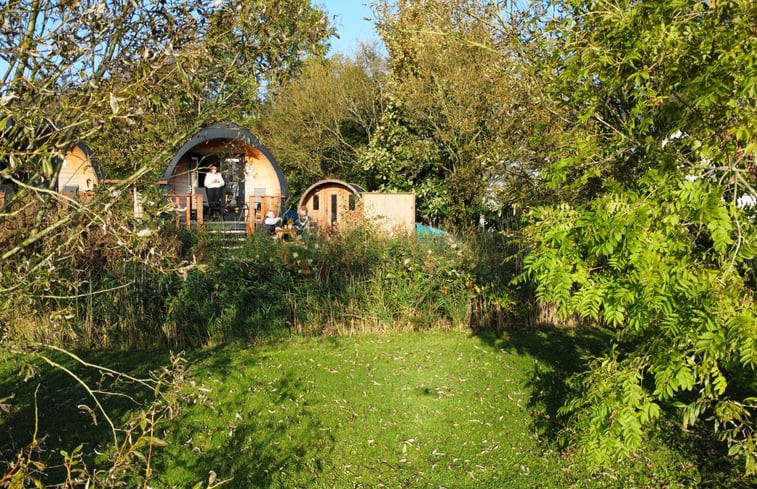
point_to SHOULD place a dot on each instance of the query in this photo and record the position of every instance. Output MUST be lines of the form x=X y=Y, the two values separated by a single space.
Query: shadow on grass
x=560 y=353
x=67 y=415
x=244 y=441
x=700 y=448
x=697 y=457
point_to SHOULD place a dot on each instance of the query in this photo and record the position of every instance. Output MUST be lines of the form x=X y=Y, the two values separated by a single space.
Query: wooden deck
x=190 y=213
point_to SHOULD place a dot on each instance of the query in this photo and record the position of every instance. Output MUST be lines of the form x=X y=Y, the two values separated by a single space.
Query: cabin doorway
x=334 y=209
x=231 y=166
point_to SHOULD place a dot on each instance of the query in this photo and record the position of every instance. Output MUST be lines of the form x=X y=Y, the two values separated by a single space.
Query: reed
x=356 y=281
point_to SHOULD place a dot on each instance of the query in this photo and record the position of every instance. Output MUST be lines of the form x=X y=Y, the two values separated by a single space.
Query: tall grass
x=350 y=283
x=356 y=281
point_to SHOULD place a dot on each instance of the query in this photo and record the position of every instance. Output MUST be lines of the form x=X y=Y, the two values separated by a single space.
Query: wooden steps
x=232 y=234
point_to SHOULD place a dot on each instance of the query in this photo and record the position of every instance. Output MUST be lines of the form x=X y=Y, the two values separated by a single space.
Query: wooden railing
x=258 y=211
x=187 y=205
x=188 y=208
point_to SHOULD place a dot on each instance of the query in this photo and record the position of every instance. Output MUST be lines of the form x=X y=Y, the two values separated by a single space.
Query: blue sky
x=348 y=16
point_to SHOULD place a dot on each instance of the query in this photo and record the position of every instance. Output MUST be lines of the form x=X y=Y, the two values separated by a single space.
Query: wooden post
x=188 y=211
x=175 y=201
x=263 y=207
x=251 y=215
x=199 y=208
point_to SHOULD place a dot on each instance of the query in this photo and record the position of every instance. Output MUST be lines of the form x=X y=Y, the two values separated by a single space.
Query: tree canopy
x=461 y=101
x=133 y=80
x=650 y=241
x=321 y=122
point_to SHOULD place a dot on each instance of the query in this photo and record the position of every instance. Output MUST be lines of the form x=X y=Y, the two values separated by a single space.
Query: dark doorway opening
x=333 y=208
x=231 y=167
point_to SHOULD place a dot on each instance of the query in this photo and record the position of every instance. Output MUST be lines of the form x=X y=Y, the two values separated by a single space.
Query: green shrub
x=203 y=293
x=354 y=281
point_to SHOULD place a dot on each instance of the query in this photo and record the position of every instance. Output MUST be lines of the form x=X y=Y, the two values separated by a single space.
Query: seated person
x=302 y=223
x=290 y=217
x=271 y=222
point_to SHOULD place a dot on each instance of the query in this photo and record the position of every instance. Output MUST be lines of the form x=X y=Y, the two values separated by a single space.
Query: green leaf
x=157 y=441
x=685 y=379
x=47 y=167
x=17 y=481
x=735 y=449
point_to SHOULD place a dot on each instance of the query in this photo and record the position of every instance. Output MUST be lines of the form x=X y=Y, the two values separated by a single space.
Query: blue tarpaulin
x=423 y=231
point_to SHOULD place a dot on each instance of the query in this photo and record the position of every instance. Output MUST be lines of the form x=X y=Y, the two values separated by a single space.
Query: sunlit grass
x=397 y=409
x=433 y=409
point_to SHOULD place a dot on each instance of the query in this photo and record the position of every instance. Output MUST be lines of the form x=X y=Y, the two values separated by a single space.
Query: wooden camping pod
x=334 y=203
x=79 y=173
x=254 y=181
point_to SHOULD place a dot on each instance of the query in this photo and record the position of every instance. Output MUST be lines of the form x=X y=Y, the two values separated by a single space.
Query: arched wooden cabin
x=336 y=203
x=254 y=180
x=79 y=173
x=332 y=203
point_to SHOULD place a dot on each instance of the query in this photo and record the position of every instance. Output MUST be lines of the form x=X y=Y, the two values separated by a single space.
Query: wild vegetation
x=660 y=149
x=607 y=147
x=355 y=282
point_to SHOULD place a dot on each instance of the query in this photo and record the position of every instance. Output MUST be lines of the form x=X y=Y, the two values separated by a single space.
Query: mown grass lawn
x=430 y=409
x=433 y=409
x=438 y=409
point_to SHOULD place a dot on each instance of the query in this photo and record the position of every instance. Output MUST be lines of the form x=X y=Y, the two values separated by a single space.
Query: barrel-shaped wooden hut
x=79 y=173
x=334 y=203
x=254 y=181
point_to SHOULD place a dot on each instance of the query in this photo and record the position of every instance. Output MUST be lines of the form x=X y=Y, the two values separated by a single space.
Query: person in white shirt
x=214 y=188
x=302 y=224
x=271 y=222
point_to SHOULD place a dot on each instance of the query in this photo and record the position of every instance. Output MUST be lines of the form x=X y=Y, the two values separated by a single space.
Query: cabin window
x=353 y=198
x=316 y=203
x=333 y=208
x=258 y=192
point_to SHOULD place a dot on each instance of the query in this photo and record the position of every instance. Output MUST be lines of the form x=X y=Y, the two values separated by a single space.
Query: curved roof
x=92 y=160
x=228 y=130
x=353 y=188
x=81 y=145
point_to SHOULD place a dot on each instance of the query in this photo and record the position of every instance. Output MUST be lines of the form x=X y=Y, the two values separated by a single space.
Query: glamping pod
x=79 y=173
x=334 y=203
x=253 y=180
